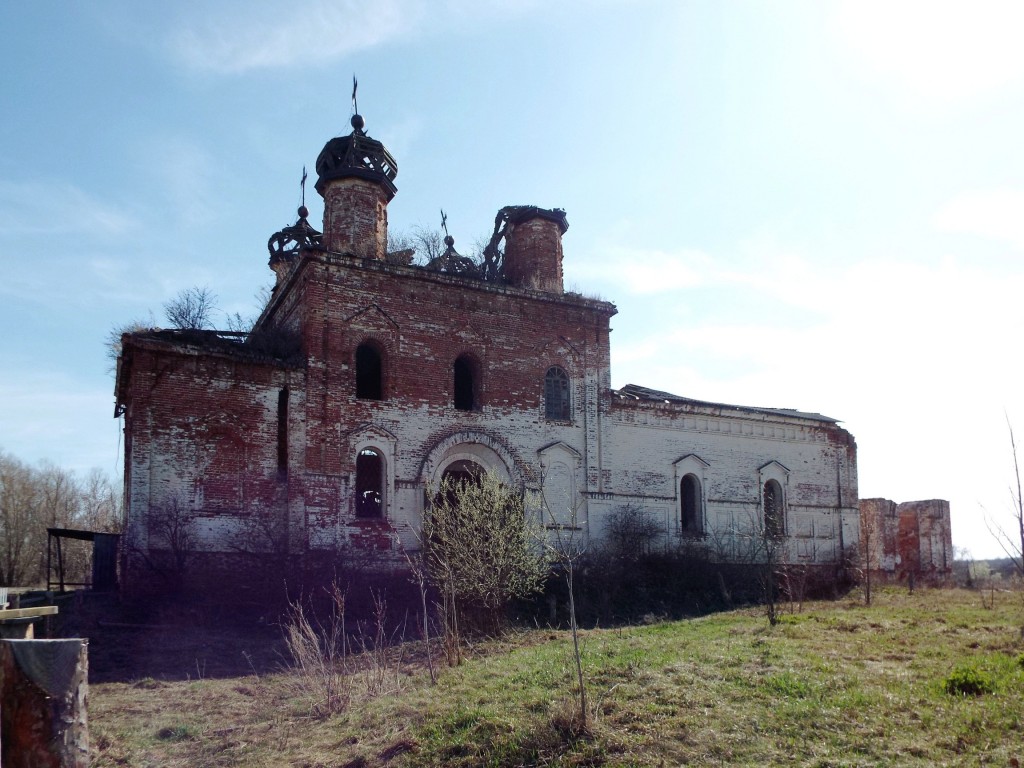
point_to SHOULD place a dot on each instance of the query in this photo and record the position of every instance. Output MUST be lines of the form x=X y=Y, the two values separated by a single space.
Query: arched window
x=369 y=373
x=774 y=513
x=556 y=395
x=466 y=384
x=690 y=505
x=369 y=483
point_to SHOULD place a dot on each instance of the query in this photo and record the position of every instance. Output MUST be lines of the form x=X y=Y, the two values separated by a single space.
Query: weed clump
x=175 y=733
x=969 y=681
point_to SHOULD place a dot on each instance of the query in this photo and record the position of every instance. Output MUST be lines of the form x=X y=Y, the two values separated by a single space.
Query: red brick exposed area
x=908 y=541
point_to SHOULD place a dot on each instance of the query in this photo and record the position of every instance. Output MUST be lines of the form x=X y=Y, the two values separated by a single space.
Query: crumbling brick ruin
x=908 y=542
x=367 y=379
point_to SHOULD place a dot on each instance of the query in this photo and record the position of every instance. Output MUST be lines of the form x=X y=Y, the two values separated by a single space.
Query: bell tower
x=355 y=177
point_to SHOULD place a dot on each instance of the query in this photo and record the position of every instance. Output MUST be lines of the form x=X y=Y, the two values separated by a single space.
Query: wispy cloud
x=186 y=176
x=239 y=36
x=799 y=327
x=996 y=214
x=644 y=272
x=48 y=208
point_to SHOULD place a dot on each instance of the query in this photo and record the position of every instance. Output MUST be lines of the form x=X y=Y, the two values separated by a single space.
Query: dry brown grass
x=839 y=684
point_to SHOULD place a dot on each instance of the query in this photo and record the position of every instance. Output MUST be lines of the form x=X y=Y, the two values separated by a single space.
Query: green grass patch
x=841 y=684
x=969 y=680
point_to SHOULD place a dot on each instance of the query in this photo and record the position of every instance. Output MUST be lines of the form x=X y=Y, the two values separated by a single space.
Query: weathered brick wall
x=423 y=321
x=879 y=535
x=815 y=463
x=533 y=255
x=201 y=451
x=909 y=540
x=356 y=218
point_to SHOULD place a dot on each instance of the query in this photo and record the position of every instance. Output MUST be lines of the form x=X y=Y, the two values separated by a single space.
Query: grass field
x=836 y=684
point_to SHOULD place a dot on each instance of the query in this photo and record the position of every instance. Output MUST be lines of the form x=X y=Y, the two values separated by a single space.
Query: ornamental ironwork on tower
x=356 y=156
x=286 y=244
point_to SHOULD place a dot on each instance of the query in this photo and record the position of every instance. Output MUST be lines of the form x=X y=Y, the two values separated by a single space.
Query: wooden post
x=43 y=690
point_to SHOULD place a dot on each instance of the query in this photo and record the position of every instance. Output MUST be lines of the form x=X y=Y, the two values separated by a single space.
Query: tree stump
x=43 y=715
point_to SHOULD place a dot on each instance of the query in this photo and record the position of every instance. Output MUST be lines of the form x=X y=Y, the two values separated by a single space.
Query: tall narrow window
x=369 y=483
x=556 y=395
x=689 y=499
x=369 y=373
x=465 y=384
x=773 y=510
x=282 y=431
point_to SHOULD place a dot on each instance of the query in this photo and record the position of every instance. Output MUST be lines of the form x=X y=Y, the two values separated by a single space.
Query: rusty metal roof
x=644 y=394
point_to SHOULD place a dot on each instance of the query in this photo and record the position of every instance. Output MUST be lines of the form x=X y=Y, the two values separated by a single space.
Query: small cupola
x=355 y=177
x=286 y=244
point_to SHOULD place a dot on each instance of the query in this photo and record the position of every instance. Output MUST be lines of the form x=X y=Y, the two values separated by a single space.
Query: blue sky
x=816 y=205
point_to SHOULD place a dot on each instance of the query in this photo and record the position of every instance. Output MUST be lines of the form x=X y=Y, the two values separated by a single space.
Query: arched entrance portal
x=462 y=471
x=469 y=452
x=468 y=455
x=459 y=473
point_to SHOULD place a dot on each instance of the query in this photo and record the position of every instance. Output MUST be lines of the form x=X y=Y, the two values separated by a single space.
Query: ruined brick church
x=367 y=379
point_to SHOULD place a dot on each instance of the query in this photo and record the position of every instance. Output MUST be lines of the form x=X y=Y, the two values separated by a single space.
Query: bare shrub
x=630 y=533
x=319 y=653
x=171 y=538
x=278 y=341
x=381 y=651
x=761 y=550
x=479 y=552
x=420 y=577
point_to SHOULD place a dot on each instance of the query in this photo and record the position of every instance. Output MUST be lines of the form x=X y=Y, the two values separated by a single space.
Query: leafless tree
x=426 y=244
x=239 y=323
x=33 y=499
x=192 y=308
x=101 y=503
x=21 y=531
x=171 y=525
x=1012 y=540
x=750 y=544
x=425 y=247
x=566 y=543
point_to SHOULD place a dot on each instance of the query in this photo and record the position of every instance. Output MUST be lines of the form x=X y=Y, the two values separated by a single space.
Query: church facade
x=368 y=379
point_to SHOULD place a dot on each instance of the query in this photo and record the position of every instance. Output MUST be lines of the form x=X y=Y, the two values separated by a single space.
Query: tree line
x=34 y=498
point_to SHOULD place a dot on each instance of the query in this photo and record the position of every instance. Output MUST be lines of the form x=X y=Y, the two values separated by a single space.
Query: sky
x=811 y=205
